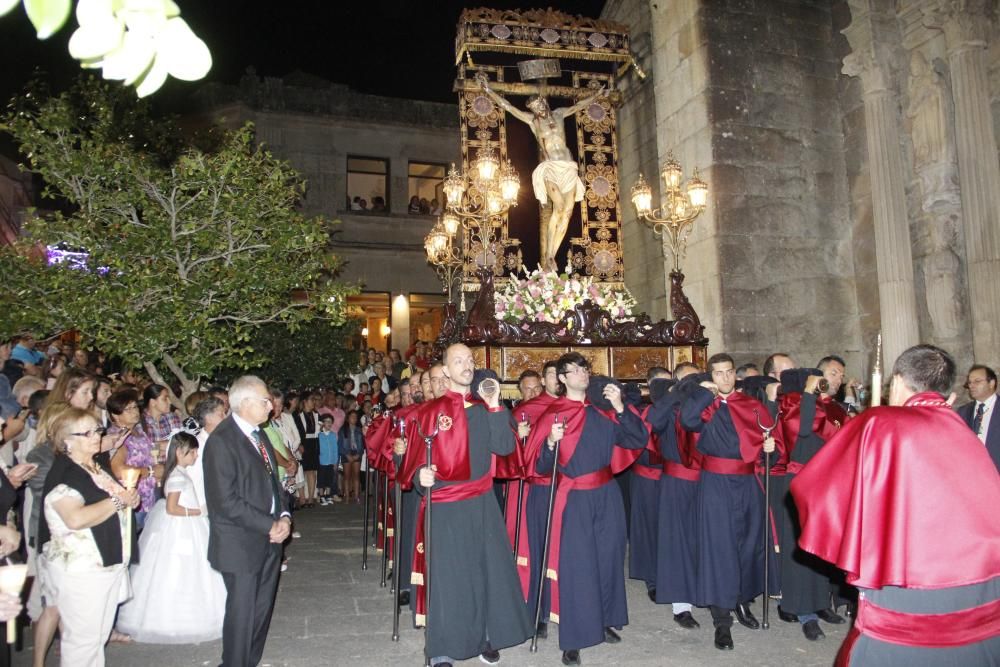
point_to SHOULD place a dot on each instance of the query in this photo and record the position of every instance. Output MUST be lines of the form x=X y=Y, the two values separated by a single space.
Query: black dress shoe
x=571 y=657
x=723 y=639
x=812 y=630
x=404 y=598
x=686 y=620
x=786 y=617
x=543 y=630
x=490 y=657
x=830 y=616
x=746 y=617
x=651 y=592
x=611 y=637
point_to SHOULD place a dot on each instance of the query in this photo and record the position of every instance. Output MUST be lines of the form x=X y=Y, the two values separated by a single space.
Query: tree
x=316 y=355
x=188 y=252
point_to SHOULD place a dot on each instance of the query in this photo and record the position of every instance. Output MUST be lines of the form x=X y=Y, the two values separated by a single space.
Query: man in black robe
x=808 y=419
x=730 y=502
x=475 y=604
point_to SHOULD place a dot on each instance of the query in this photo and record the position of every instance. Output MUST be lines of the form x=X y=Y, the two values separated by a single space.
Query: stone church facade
x=850 y=147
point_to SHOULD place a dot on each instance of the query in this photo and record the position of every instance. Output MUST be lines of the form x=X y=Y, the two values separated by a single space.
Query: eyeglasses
x=577 y=369
x=265 y=401
x=90 y=434
x=131 y=406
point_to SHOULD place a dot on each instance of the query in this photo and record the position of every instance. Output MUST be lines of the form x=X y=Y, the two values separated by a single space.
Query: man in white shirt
x=979 y=414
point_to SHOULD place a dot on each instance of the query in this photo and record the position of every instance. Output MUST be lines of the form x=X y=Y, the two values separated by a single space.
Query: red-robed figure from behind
x=911 y=517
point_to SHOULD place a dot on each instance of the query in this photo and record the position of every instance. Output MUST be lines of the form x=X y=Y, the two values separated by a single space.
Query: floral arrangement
x=545 y=296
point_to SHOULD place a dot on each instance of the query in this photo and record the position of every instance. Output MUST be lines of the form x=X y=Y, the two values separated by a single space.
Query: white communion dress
x=177 y=597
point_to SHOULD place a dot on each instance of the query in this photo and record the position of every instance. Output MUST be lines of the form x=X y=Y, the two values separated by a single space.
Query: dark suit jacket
x=239 y=495
x=968 y=413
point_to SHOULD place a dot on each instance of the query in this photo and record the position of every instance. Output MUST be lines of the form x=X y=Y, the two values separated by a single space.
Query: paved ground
x=330 y=613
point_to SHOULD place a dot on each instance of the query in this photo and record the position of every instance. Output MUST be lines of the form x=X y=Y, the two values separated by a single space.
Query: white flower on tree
x=138 y=42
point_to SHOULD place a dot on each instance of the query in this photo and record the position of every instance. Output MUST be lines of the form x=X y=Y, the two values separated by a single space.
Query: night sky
x=397 y=48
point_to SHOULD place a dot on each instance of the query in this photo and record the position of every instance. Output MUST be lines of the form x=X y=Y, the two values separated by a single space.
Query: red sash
x=672 y=469
x=516 y=465
x=956 y=628
x=647 y=472
x=724 y=466
x=593 y=480
x=447 y=494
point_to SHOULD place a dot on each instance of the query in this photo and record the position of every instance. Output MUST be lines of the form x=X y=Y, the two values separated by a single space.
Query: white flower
x=140 y=42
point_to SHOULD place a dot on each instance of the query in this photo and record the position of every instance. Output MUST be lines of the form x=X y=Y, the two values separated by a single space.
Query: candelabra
x=673 y=221
x=442 y=254
x=475 y=204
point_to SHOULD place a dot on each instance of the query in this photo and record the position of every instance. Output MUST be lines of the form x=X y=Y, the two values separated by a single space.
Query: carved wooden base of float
x=623 y=350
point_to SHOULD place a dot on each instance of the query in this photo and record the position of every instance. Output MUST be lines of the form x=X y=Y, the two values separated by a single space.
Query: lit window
x=425 y=188
x=367 y=185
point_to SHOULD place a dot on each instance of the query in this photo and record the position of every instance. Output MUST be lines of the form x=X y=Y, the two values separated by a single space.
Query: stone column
x=967 y=24
x=897 y=299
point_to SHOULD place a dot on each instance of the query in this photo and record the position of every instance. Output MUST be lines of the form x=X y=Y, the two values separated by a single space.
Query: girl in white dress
x=177 y=597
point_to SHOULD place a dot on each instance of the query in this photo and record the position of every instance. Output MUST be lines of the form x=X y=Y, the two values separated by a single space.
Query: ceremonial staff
x=768 y=545
x=385 y=526
x=397 y=527
x=545 y=548
x=383 y=485
x=428 y=439
x=364 y=533
x=520 y=498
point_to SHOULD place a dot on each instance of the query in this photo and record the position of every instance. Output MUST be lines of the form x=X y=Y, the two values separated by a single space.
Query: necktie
x=977 y=423
x=275 y=491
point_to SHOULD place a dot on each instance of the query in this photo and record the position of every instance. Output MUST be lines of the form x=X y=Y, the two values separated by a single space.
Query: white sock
x=680 y=607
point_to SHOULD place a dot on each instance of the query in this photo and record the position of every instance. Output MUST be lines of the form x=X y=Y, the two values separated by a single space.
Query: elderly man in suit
x=980 y=412
x=249 y=520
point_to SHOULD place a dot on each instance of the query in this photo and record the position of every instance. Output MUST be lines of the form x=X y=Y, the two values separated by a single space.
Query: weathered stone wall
x=862 y=228
x=637 y=153
x=680 y=75
x=783 y=226
x=748 y=92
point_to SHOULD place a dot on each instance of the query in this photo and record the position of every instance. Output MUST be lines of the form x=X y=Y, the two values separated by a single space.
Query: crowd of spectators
x=69 y=435
x=377 y=205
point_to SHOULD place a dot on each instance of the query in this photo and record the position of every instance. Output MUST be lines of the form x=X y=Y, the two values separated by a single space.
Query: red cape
x=575 y=414
x=827 y=421
x=513 y=466
x=744 y=411
x=374 y=440
x=450 y=448
x=912 y=502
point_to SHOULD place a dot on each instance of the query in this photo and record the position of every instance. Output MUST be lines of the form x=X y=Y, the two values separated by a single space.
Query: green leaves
x=190 y=252
x=48 y=16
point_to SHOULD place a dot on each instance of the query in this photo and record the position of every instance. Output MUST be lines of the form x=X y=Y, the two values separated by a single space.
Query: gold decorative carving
x=632 y=363
x=598 y=357
x=541 y=32
x=519 y=359
x=479 y=356
x=680 y=355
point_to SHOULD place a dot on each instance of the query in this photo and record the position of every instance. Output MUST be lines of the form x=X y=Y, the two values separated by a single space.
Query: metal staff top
x=766 y=430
